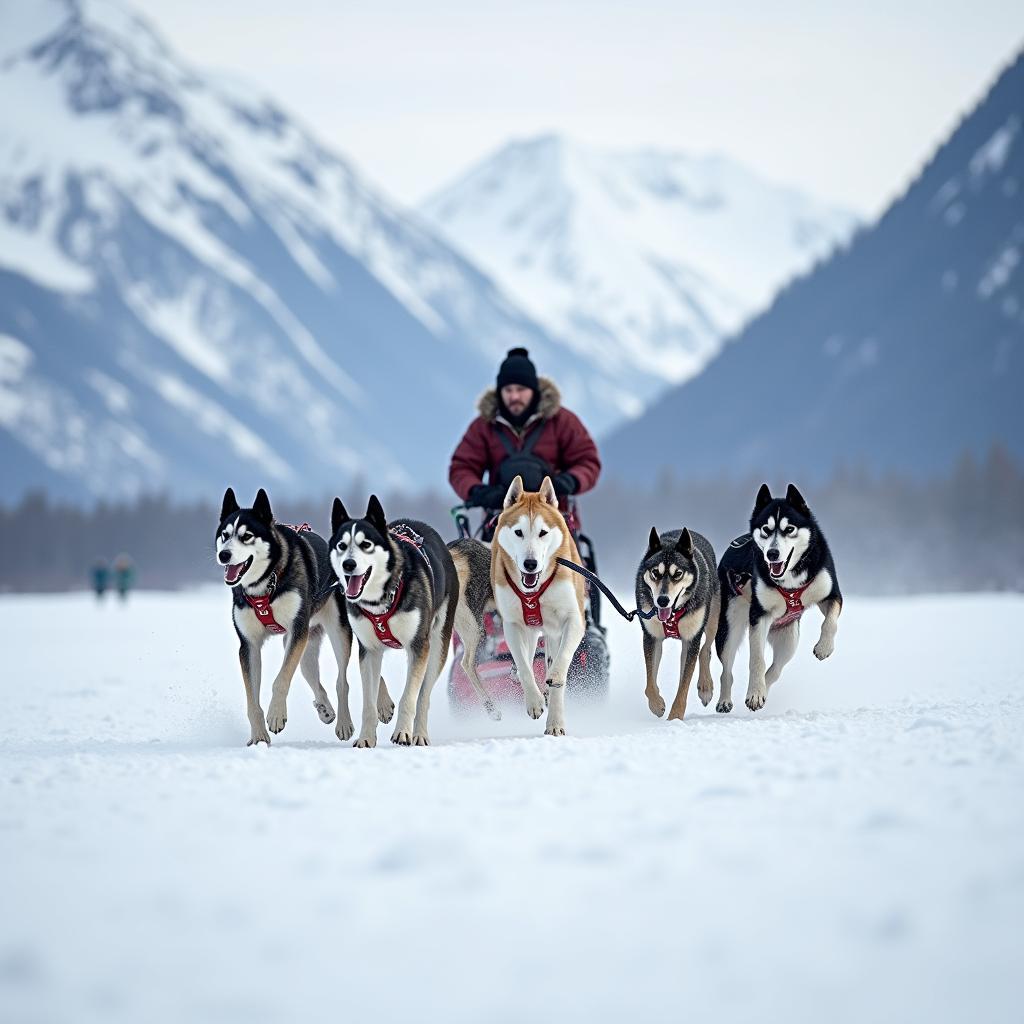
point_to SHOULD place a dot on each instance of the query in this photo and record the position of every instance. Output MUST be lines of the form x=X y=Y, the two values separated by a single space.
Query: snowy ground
x=853 y=852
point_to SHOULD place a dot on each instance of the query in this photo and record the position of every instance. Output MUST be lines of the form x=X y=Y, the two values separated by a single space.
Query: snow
x=39 y=258
x=991 y=157
x=855 y=851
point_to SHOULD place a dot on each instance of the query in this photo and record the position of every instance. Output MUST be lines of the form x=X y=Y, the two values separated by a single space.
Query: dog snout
x=530 y=564
x=773 y=554
x=663 y=600
x=349 y=565
x=224 y=556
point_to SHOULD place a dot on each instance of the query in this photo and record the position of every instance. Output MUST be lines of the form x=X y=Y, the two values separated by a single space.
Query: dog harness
x=794 y=605
x=261 y=606
x=382 y=622
x=532 y=614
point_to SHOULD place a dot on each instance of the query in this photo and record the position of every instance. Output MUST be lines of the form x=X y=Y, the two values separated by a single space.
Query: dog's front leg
x=277 y=713
x=568 y=639
x=522 y=645
x=757 y=689
x=341 y=643
x=418 y=655
x=732 y=628
x=653 y=647
x=784 y=643
x=687 y=661
x=369 y=672
x=827 y=641
x=251 y=659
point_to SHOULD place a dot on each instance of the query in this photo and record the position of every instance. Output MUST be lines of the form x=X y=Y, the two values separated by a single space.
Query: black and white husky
x=281 y=584
x=677 y=579
x=769 y=578
x=401 y=588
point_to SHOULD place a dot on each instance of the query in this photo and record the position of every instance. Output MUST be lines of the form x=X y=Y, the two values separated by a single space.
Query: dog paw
x=535 y=710
x=724 y=707
x=657 y=705
x=385 y=708
x=756 y=696
x=402 y=737
x=365 y=742
x=344 y=729
x=823 y=648
x=258 y=736
x=325 y=711
x=554 y=730
x=706 y=691
x=277 y=716
x=493 y=711
x=420 y=739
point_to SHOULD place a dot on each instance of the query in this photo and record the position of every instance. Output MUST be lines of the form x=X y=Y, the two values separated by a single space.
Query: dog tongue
x=775 y=568
x=354 y=586
x=664 y=614
x=232 y=572
x=530 y=579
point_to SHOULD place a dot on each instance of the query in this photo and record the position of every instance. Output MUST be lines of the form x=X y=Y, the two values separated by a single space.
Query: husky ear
x=764 y=498
x=261 y=507
x=375 y=515
x=685 y=544
x=654 y=542
x=229 y=505
x=547 y=492
x=514 y=492
x=339 y=515
x=796 y=499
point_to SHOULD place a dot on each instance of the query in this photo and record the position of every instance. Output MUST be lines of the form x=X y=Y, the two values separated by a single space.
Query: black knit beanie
x=517 y=369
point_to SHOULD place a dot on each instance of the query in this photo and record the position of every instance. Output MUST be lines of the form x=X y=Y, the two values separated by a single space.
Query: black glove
x=565 y=483
x=485 y=496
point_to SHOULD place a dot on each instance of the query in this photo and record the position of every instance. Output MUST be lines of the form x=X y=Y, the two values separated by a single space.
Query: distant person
x=523 y=430
x=100 y=575
x=124 y=575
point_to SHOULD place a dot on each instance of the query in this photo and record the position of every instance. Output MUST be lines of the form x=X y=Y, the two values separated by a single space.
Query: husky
x=678 y=580
x=401 y=589
x=533 y=594
x=280 y=580
x=769 y=578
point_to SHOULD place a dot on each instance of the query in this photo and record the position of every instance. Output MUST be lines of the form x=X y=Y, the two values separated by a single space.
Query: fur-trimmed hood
x=550 y=401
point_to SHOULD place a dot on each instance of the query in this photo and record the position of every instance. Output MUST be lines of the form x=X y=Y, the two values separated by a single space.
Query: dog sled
x=589 y=672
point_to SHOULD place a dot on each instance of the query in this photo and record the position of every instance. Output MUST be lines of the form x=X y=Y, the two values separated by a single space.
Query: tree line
x=891 y=534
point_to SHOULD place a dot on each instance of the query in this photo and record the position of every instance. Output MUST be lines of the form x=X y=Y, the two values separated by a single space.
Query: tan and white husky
x=533 y=594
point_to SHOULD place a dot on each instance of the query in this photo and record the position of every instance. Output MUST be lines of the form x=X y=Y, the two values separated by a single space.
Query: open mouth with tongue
x=233 y=573
x=354 y=585
x=530 y=579
x=665 y=613
x=778 y=569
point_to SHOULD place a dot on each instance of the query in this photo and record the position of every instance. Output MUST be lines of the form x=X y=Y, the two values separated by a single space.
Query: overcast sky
x=844 y=100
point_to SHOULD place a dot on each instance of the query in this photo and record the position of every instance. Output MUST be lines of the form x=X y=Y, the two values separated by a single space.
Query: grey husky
x=677 y=580
x=280 y=580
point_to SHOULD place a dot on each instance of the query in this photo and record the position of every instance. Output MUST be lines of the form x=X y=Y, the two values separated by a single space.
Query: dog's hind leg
x=687 y=663
x=470 y=629
x=569 y=639
x=419 y=656
x=369 y=671
x=732 y=627
x=251 y=659
x=784 y=644
x=827 y=641
x=340 y=636
x=705 y=684
x=439 y=646
x=310 y=668
x=652 y=662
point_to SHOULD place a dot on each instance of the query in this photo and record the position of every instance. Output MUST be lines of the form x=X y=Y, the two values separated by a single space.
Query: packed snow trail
x=854 y=851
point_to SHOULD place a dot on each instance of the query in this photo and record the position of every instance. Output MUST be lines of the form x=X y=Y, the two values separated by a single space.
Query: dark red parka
x=564 y=442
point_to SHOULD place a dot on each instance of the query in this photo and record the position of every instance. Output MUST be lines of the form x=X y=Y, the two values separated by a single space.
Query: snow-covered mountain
x=901 y=353
x=641 y=260
x=194 y=291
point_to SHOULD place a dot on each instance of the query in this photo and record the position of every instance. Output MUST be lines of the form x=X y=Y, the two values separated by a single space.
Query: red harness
x=794 y=605
x=261 y=606
x=382 y=622
x=532 y=614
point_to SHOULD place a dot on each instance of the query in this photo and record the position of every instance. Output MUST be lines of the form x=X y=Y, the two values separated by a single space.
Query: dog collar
x=382 y=622
x=261 y=606
x=532 y=614
x=794 y=604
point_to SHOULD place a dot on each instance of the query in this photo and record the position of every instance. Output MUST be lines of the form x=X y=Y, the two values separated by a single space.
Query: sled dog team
x=398 y=585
